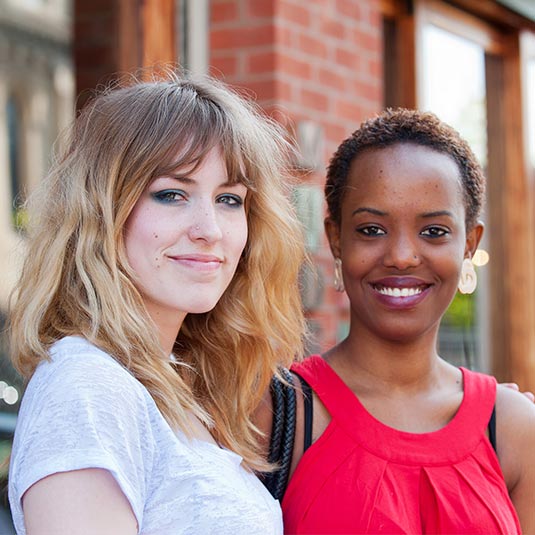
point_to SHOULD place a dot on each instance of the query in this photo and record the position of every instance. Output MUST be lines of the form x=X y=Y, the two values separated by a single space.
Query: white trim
x=196 y=40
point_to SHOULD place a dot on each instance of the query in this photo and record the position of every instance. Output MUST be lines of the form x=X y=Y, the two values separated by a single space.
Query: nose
x=205 y=225
x=402 y=252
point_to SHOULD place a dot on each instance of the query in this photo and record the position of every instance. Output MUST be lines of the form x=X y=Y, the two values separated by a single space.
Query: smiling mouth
x=398 y=292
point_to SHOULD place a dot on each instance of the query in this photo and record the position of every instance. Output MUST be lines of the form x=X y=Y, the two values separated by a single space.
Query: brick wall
x=317 y=62
x=315 y=65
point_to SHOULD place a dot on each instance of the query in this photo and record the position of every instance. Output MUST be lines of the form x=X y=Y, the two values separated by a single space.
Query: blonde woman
x=158 y=297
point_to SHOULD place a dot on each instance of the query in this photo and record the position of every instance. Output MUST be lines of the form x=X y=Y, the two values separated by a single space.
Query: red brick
x=223 y=12
x=349 y=8
x=295 y=67
x=330 y=79
x=315 y=100
x=375 y=68
x=296 y=13
x=261 y=8
x=336 y=133
x=313 y=46
x=262 y=62
x=262 y=90
x=280 y=114
x=284 y=91
x=366 y=40
x=365 y=90
x=226 y=65
x=348 y=58
x=332 y=28
x=242 y=37
x=285 y=37
x=350 y=110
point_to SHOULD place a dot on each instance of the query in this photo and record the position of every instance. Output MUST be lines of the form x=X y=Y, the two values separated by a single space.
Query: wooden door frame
x=510 y=187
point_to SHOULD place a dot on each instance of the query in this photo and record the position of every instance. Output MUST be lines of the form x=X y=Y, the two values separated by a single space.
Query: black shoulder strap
x=309 y=412
x=282 y=434
x=492 y=428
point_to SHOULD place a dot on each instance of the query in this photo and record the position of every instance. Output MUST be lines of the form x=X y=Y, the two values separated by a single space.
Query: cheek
x=140 y=235
x=237 y=234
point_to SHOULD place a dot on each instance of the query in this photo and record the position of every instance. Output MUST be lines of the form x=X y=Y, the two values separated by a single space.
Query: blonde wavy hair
x=76 y=279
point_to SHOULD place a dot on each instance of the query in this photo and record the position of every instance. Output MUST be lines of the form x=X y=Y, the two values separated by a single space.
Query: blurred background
x=320 y=67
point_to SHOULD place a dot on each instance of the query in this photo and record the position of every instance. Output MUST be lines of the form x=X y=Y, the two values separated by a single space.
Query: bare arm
x=514 y=386
x=81 y=502
x=515 y=421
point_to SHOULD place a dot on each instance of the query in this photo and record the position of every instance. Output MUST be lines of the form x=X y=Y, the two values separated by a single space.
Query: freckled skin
x=197 y=216
x=404 y=182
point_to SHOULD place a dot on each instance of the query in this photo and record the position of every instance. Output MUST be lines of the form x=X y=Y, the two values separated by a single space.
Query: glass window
x=14 y=131
x=452 y=85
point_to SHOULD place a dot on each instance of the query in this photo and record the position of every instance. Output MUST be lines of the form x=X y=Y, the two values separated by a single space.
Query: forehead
x=405 y=169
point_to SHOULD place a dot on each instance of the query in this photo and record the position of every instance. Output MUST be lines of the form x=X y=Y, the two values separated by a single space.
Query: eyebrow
x=186 y=180
x=426 y=215
x=373 y=211
x=438 y=213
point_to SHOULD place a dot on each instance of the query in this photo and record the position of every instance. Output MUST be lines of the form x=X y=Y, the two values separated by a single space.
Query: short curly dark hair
x=401 y=125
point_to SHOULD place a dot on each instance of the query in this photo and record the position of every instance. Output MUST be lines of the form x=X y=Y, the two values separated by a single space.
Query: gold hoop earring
x=338 y=280
x=468 y=280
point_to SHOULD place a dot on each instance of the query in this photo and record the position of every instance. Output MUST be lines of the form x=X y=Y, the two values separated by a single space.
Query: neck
x=168 y=326
x=393 y=364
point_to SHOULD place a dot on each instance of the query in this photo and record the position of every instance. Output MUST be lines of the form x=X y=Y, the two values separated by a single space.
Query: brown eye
x=435 y=232
x=371 y=230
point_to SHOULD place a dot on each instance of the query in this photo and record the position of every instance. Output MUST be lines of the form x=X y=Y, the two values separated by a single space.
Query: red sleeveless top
x=362 y=476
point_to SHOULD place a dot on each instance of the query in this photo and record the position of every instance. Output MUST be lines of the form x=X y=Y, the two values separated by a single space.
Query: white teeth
x=399 y=292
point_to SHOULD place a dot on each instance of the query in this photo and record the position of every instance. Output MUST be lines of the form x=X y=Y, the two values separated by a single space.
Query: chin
x=203 y=307
x=400 y=335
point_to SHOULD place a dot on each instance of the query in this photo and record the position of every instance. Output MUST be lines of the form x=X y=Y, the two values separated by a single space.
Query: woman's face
x=184 y=238
x=402 y=239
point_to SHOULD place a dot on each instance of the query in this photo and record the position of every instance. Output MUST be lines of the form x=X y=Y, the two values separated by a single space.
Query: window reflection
x=452 y=85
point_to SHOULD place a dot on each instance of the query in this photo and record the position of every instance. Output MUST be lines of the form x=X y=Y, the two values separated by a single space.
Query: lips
x=201 y=262
x=400 y=292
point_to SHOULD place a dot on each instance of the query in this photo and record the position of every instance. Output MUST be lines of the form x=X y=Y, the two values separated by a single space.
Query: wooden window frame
x=510 y=190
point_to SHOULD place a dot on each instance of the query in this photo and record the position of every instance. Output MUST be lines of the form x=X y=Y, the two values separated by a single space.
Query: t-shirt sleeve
x=84 y=411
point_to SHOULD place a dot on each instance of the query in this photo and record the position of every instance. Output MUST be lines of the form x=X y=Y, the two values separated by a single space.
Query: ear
x=473 y=237
x=332 y=229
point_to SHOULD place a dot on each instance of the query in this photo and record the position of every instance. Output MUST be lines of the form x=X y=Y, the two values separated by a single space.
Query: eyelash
x=171 y=196
x=366 y=231
x=429 y=232
x=235 y=200
x=435 y=232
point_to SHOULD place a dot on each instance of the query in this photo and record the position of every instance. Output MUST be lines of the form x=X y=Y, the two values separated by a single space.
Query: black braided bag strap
x=282 y=434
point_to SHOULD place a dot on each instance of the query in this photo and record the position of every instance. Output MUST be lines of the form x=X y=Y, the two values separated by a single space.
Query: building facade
x=320 y=67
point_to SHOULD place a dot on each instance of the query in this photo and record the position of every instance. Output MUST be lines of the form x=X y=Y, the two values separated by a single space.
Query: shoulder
x=78 y=354
x=81 y=393
x=81 y=410
x=514 y=410
x=515 y=436
x=79 y=369
x=515 y=432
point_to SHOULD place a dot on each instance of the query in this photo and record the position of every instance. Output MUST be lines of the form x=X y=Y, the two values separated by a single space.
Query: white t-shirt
x=84 y=410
